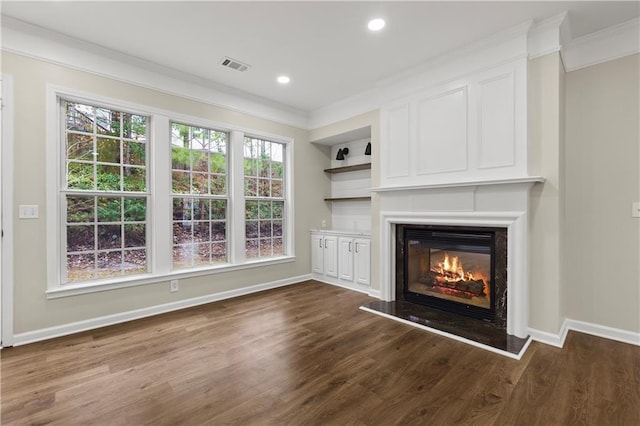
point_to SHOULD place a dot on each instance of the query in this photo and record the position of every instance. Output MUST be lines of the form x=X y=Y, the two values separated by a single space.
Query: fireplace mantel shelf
x=530 y=180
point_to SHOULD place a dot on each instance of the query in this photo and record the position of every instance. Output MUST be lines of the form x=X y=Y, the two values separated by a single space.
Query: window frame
x=260 y=198
x=226 y=197
x=159 y=214
x=65 y=192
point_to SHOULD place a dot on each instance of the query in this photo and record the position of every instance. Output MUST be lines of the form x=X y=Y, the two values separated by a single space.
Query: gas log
x=475 y=287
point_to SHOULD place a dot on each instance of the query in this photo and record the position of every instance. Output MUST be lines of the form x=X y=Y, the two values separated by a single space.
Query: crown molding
x=528 y=39
x=35 y=42
x=601 y=46
x=548 y=36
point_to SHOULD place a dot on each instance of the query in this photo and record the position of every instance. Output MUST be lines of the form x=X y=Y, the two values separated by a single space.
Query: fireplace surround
x=457 y=269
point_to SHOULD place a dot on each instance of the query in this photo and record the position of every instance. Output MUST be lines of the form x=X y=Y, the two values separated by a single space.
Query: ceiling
x=325 y=47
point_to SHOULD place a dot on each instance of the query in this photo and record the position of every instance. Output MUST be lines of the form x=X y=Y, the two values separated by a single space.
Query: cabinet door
x=362 y=262
x=331 y=256
x=317 y=254
x=345 y=258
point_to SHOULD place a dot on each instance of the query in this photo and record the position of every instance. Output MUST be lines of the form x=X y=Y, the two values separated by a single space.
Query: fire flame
x=451 y=270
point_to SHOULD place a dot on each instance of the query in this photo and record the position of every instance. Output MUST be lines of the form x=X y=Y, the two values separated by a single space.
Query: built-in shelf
x=349 y=199
x=344 y=169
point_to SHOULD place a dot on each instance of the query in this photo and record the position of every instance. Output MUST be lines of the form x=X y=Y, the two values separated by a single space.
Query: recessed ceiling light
x=283 y=79
x=376 y=24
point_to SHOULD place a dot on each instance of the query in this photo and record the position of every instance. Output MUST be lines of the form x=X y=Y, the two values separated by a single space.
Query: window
x=141 y=195
x=264 y=198
x=199 y=195
x=105 y=193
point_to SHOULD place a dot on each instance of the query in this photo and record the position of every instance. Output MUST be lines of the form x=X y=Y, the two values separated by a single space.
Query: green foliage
x=265 y=210
x=109 y=209
x=277 y=170
x=180 y=158
x=218 y=209
x=251 y=210
x=278 y=209
x=201 y=153
x=134 y=153
x=108 y=178
x=79 y=147
x=79 y=176
x=135 y=179
x=135 y=209
x=217 y=163
x=181 y=183
x=80 y=209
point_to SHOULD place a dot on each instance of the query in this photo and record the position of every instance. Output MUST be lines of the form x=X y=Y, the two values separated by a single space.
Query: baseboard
x=598 y=330
x=91 y=324
x=374 y=293
x=337 y=283
x=551 y=339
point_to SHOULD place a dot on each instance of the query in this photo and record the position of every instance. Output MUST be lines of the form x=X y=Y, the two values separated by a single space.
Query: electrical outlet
x=175 y=286
x=324 y=223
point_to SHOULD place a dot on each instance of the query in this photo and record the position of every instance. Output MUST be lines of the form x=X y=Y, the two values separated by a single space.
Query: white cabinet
x=362 y=261
x=354 y=260
x=341 y=258
x=345 y=258
x=331 y=256
x=324 y=255
x=317 y=254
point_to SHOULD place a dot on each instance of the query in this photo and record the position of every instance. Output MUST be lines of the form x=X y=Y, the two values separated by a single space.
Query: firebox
x=453 y=268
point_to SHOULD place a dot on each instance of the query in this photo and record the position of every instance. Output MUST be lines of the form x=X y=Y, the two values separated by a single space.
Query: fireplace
x=457 y=269
x=494 y=211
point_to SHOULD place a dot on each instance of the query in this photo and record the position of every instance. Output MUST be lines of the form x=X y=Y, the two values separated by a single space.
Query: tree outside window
x=105 y=192
x=199 y=192
x=264 y=198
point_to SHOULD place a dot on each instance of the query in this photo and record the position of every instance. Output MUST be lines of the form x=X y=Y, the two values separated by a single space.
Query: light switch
x=28 y=211
x=635 y=209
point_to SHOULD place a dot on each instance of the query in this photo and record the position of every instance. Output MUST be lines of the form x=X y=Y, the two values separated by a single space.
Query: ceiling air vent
x=234 y=65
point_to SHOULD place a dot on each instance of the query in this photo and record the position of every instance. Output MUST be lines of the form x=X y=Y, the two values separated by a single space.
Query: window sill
x=144 y=279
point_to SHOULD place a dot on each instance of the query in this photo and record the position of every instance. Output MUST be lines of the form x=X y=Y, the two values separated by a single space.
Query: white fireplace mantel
x=462 y=184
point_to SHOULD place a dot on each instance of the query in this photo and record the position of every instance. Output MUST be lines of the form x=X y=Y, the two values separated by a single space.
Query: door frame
x=6 y=208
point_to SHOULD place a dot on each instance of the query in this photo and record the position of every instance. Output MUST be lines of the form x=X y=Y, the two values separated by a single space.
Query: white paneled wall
x=441 y=133
x=470 y=129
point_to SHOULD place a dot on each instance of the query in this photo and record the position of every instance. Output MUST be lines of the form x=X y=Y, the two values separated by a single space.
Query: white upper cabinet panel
x=496 y=139
x=470 y=129
x=442 y=133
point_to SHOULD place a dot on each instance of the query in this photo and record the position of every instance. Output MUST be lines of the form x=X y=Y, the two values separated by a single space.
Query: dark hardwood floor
x=305 y=355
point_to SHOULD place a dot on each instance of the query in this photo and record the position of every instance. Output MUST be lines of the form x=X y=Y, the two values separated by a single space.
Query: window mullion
x=161 y=201
x=236 y=193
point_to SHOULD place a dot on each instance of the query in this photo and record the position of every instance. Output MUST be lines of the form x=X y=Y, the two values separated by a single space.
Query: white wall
x=32 y=309
x=545 y=221
x=602 y=180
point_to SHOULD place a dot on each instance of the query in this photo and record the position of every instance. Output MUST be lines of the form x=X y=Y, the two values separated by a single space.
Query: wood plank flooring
x=305 y=355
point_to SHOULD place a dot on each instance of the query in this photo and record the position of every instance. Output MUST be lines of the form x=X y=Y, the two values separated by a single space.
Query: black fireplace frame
x=493 y=239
